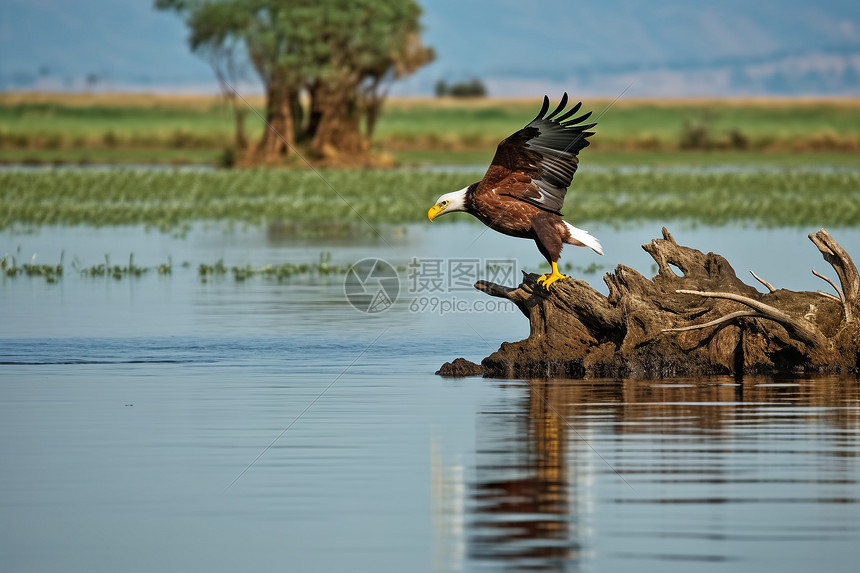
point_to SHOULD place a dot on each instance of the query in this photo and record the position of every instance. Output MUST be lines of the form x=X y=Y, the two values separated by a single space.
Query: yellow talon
x=547 y=280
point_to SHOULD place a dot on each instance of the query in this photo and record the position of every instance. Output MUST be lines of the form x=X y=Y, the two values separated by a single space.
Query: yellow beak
x=434 y=211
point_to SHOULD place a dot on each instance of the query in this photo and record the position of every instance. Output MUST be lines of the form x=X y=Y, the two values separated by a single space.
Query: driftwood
x=701 y=320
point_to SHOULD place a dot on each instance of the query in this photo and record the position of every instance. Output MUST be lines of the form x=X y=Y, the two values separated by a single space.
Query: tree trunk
x=298 y=116
x=372 y=98
x=337 y=136
x=314 y=112
x=372 y=111
x=239 y=111
x=278 y=136
x=701 y=322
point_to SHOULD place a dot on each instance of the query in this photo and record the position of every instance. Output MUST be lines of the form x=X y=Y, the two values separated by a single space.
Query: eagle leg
x=547 y=280
x=548 y=239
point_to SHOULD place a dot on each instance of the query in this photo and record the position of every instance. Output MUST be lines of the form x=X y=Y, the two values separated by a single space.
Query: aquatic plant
x=170 y=200
x=51 y=273
x=278 y=272
x=114 y=271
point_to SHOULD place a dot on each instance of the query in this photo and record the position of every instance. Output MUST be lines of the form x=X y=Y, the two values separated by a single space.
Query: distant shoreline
x=144 y=98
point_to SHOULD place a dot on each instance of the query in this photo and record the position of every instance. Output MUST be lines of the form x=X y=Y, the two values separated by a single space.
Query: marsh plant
x=51 y=273
x=171 y=200
x=278 y=272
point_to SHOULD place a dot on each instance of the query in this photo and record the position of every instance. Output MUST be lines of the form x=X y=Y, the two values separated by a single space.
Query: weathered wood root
x=700 y=321
x=460 y=368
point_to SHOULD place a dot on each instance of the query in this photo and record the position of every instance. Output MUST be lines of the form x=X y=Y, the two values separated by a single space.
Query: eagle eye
x=444 y=203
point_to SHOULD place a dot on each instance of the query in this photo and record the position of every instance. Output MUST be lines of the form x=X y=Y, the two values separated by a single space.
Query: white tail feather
x=582 y=238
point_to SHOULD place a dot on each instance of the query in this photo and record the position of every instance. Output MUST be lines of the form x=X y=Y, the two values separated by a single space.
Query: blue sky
x=660 y=48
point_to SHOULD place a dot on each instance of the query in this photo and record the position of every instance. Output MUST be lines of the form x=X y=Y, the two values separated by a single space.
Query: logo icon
x=371 y=285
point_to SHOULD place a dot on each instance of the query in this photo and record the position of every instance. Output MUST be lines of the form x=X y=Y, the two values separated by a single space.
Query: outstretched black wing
x=545 y=152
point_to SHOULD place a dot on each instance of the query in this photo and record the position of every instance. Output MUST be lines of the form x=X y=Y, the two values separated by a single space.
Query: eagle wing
x=536 y=164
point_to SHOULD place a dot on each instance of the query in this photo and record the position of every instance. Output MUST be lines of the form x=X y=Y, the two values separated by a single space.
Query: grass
x=607 y=158
x=53 y=273
x=63 y=128
x=441 y=157
x=281 y=272
x=775 y=149
x=10 y=268
x=118 y=272
x=278 y=272
x=295 y=199
x=634 y=124
x=115 y=156
x=112 y=121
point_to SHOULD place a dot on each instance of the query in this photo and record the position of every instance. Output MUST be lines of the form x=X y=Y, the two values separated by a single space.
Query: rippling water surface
x=171 y=424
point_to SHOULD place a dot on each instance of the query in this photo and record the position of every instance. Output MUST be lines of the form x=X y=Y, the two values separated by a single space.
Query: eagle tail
x=582 y=238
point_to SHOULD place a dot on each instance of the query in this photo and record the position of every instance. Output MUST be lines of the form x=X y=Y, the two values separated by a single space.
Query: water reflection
x=522 y=510
x=713 y=472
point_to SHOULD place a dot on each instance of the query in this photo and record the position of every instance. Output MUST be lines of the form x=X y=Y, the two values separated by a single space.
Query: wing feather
x=579 y=119
x=561 y=106
x=544 y=152
x=570 y=112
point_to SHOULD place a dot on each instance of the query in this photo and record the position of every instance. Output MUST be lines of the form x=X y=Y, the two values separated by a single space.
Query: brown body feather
x=516 y=218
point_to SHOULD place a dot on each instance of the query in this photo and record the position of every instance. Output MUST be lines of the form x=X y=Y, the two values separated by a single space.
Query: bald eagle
x=522 y=193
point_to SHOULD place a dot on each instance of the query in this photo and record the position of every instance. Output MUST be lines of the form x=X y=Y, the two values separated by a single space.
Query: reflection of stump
x=703 y=320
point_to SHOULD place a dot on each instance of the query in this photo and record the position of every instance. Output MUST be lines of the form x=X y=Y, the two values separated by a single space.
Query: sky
x=593 y=48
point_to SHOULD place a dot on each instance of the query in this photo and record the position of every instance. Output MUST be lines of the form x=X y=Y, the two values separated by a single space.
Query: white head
x=448 y=203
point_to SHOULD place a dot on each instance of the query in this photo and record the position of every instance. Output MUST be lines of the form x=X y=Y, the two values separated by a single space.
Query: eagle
x=523 y=190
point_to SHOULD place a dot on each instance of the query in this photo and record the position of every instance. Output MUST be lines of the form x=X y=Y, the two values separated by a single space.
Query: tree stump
x=700 y=320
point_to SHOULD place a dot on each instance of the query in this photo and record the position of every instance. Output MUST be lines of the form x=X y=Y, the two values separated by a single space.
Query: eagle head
x=448 y=203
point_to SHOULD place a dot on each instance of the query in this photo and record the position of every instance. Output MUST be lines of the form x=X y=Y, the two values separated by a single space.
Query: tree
x=471 y=88
x=342 y=54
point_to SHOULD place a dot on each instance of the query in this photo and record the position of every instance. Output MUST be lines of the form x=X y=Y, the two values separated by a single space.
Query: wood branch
x=493 y=289
x=716 y=321
x=845 y=269
x=510 y=293
x=801 y=328
x=828 y=295
x=764 y=282
x=831 y=283
x=685 y=321
x=840 y=297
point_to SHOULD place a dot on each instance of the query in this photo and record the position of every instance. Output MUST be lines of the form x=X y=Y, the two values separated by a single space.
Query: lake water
x=167 y=423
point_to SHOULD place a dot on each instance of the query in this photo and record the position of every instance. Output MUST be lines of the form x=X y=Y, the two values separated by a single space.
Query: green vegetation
x=170 y=199
x=80 y=129
x=655 y=159
x=118 y=272
x=637 y=125
x=280 y=272
x=171 y=123
x=119 y=156
x=777 y=162
x=51 y=273
x=172 y=129
x=470 y=88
